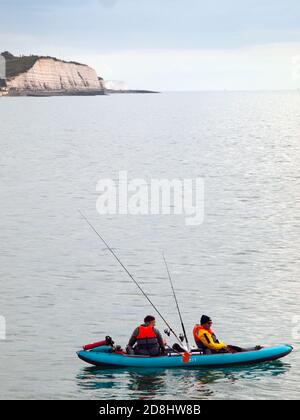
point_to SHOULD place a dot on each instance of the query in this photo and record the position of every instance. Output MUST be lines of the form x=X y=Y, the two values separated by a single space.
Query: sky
x=164 y=44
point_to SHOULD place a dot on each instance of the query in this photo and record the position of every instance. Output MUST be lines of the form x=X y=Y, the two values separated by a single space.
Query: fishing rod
x=130 y=275
x=178 y=309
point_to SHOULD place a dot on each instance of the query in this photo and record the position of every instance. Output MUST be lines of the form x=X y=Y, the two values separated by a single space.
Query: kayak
x=105 y=357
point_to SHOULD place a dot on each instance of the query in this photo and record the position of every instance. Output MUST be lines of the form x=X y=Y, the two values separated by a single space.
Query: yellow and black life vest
x=206 y=338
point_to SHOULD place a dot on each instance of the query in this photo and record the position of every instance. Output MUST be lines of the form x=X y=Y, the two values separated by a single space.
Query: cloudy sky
x=164 y=44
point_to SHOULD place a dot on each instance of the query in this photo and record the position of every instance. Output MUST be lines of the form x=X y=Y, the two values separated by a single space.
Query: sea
x=61 y=288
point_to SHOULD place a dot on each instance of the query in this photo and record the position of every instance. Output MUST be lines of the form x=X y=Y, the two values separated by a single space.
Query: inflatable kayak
x=104 y=356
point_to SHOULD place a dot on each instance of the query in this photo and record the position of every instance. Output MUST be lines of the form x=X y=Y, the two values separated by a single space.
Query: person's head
x=206 y=321
x=149 y=320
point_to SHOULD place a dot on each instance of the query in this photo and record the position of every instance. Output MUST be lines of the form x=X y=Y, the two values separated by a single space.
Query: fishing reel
x=181 y=336
x=167 y=332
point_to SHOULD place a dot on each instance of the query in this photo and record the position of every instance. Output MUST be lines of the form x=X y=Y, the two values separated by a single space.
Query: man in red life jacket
x=206 y=339
x=146 y=340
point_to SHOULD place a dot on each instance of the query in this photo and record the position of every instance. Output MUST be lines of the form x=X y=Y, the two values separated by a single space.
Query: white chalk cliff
x=47 y=74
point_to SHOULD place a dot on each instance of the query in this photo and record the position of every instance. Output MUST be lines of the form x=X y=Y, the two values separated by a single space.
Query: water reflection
x=176 y=383
x=147 y=384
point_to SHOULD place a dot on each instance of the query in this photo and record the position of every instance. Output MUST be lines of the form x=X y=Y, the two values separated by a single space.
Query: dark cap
x=149 y=318
x=205 y=319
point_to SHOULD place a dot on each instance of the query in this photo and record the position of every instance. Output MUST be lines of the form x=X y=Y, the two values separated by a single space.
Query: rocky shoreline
x=46 y=93
x=111 y=91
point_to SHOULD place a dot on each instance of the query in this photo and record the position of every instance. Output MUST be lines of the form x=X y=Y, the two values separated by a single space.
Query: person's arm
x=160 y=340
x=207 y=341
x=132 y=340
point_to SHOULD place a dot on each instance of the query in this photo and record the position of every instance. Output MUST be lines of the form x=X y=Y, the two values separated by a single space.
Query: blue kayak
x=105 y=357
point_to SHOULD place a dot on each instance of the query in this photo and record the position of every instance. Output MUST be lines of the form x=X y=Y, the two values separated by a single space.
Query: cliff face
x=38 y=75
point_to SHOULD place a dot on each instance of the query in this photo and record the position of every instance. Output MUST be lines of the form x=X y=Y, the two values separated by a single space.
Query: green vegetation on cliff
x=18 y=65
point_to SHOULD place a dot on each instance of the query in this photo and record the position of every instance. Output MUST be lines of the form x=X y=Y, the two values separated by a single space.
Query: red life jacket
x=147 y=341
x=146 y=332
x=195 y=332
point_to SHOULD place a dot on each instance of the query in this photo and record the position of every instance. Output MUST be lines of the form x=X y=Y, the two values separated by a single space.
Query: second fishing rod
x=177 y=304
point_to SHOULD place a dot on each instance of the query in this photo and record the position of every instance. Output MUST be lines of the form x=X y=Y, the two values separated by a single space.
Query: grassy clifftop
x=18 y=65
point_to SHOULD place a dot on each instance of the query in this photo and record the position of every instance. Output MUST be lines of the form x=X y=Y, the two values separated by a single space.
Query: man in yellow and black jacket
x=206 y=339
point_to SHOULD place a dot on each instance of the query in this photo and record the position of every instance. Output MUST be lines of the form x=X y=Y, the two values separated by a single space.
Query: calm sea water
x=60 y=288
